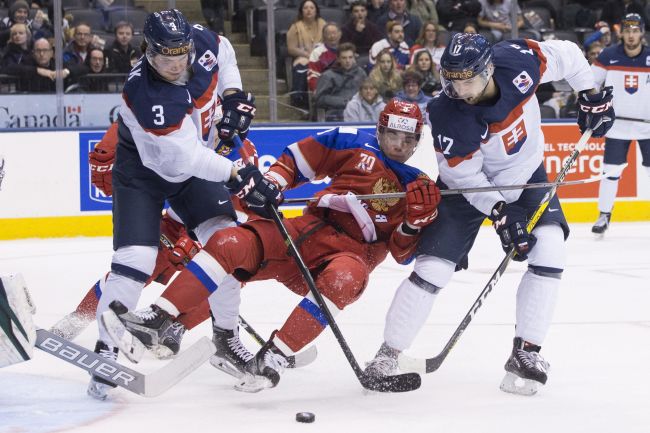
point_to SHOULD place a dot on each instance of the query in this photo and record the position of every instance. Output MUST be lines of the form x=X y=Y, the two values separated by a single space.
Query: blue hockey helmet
x=466 y=60
x=168 y=33
x=633 y=20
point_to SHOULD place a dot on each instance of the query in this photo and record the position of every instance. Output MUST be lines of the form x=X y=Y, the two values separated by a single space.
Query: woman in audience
x=302 y=36
x=18 y=49
x=423 y=63
x=429 y=39
x=386 y=75
x=366 y=105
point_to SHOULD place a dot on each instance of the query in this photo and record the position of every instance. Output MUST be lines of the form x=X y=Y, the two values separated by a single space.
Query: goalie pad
x=17 y=329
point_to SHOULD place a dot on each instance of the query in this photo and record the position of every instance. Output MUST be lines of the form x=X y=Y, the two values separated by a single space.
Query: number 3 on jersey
x=159 y=115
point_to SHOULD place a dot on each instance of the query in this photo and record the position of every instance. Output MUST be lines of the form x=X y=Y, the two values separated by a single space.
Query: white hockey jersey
x=172 y=126
x=503 y=144
x=630 y=77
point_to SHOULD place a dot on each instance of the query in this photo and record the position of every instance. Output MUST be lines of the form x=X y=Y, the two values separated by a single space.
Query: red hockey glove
x=184 y=249
x=101 y=168
x=422 y=198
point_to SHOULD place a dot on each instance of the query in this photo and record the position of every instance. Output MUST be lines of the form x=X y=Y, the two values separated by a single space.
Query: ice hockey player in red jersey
x=340 y=238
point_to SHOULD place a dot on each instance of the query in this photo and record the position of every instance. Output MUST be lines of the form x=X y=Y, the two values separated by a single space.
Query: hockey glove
x=422 y=198
x=256 y=190
x=596 y=111
x=238 y=112
x=101 y=168
x=509 y=220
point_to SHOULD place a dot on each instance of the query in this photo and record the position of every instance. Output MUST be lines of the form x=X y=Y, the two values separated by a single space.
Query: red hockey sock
x=195 y=316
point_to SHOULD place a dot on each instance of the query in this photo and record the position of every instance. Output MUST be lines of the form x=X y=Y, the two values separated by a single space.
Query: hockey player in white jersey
x=486 y=131
x=164 y=153
x=625 y=67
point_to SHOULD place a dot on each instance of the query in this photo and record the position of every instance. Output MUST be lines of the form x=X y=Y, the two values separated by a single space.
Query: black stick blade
x=398 y=383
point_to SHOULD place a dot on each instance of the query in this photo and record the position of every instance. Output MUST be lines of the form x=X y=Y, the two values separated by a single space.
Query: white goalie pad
x=17 y=329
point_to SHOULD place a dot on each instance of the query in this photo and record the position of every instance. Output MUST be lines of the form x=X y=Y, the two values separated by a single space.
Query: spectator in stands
x=425 y=10
x=96 y=64
x=470 y=27
x=424 y=65
x=213 y=11
x=18 y=14
x=412 y=90
x=121 y=56
x=38 y=73
x=41 y=26
x=376 y=8
x=360 y=30
x=545 y=4
x=495 y=16
x=394 y=41
x=323 y=55
x=428 y=39
x=614 y=11
x=302 y=37
x=338 y=84
x=19 y=46
x=453 y=14
x=386 y=75
x=397 y=12
x=77 y=50
x=366 y=105
x=593 y=51
x=603 y=35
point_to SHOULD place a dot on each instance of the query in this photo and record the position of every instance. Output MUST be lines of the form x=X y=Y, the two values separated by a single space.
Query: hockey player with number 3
x=486 y=131
x=626 y=68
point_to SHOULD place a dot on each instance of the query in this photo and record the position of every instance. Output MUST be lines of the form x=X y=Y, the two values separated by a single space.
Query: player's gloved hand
x=509 y=220
x=256 y=190
x=101 y=168
x=596 y=111
x=422 y=199
x=184 y=249
x=238 y=112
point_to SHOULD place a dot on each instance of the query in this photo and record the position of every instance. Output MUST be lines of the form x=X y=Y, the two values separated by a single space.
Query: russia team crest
x=631 y=83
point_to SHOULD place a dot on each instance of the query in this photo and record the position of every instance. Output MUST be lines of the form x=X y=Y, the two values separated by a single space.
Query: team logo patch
x=515 y=138
x=647 y=61
x=208 y=60
x=631 y=83
x=382 y=186
x=523 y=82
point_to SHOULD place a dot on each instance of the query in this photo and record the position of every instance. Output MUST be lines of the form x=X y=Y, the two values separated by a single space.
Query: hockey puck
x=306 y=417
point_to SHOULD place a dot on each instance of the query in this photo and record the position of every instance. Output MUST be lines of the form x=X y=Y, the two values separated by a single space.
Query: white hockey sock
x=206 y=229
x=126 y=290
x=607 y=191
x=224 y=303
x=647 y=169
x=536 y=298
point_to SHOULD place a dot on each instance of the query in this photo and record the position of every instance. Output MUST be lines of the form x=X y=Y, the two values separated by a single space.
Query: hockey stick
x=147 y=385
x=398 y=383
x=388 y=195
x=631 y=119
x=430 y=365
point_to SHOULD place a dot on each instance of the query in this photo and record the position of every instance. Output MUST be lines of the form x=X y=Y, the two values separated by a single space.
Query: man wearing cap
x=625 y=67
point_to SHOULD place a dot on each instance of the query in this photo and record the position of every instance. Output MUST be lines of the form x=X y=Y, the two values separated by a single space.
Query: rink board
x=46 y=191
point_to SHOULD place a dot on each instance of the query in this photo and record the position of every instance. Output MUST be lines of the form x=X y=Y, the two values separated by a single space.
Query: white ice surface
x=598 y=346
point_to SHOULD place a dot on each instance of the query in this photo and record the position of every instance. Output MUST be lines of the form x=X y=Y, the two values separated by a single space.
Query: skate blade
x=514 y=384
x=130 y=346
x=162 y=353
x=253 y=384
x=226 y=367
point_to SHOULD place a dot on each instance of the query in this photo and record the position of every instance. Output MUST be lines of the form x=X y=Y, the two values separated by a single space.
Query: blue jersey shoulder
x=517 y=67
x=205 y=67
x=156 y=103
x=457 y=131
x=615 y=56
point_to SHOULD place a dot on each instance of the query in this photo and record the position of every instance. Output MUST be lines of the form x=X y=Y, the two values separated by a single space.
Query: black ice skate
x=152 y=328
x=602 y=223
x=264 y=369
x=384 y=363
x=526 y=369
x=98 y=387
x=231 y=355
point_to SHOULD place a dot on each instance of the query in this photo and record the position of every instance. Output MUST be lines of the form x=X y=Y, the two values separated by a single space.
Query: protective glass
x=468 y=88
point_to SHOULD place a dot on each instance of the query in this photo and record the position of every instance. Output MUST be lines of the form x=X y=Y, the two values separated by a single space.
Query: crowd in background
x=338 y=71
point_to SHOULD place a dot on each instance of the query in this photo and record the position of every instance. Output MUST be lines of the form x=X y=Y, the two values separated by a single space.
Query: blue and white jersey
x=503 y=144
x=630 y=77
x=172 y=124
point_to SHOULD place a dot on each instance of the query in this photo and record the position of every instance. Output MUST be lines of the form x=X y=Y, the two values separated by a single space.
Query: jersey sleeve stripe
x=533 y=45
x=455 y=160
x=623 y=68
x=207 y=95
x=515 y=114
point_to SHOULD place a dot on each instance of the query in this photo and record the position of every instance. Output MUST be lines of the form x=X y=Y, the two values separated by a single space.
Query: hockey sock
x=536 y=298
x=607 y=191
x=195 y=316
x=88 y=305
x=224 y=303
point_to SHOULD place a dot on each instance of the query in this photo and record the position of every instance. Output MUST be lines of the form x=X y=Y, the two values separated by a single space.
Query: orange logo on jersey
x=631 y=83
x=514 y=139
x=380 y=187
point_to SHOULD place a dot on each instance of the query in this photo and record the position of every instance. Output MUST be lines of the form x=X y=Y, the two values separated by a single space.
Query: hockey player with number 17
x=486 y=131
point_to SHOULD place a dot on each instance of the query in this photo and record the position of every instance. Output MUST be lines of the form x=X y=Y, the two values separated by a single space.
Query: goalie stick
x=145 y=384
x=631 y=119
x=429 y=365
x=397 y=383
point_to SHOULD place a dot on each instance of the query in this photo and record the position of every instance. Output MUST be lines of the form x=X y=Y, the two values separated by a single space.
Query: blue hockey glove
x=509 y=220
x=256 y=190
x=596 y=111
x=238 y=112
